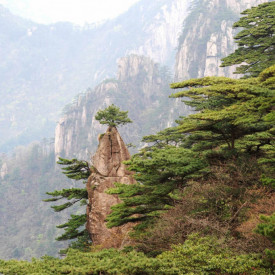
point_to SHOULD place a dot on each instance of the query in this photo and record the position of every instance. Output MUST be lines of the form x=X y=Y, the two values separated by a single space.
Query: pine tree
x=77 y=170
x=236 y=114
x=112 y=116
x=256 y=41
x=159 y=172
x=235 y=117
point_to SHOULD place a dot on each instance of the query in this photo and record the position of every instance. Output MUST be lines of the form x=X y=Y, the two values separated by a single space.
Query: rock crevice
x=108 y=169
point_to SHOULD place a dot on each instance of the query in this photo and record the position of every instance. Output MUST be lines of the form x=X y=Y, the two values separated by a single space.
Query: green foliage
x=255 y=41
x=82 y=243
x=196 y=256
x=159 y=172
x=77 y=170
x=234 y=120
x=71 y=227
x=74 y=193
x=267 y=229
x=235 y=114
x=206 y=256
x=112 y=116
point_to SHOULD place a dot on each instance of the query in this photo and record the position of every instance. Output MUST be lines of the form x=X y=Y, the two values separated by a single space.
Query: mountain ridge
x=44 y=67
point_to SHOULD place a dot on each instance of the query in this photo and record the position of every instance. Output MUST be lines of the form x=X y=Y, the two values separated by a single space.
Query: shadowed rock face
x=109 y=168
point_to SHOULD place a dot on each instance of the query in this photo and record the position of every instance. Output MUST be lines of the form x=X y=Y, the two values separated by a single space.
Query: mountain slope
x=141 y=86
x=43 y=67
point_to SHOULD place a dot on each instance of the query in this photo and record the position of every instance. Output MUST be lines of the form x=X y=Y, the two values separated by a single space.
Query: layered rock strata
x=107 y=169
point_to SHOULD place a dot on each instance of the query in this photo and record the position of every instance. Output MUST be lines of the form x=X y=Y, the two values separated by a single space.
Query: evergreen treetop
x=236 y=113
x=235 y=117
x=256 y=41
x=112 y=116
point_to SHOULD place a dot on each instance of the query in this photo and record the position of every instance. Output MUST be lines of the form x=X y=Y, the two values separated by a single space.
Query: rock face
x=142 y=87
x=163 y=32
x=207 y=37
x=71 y=59
x=108 y=169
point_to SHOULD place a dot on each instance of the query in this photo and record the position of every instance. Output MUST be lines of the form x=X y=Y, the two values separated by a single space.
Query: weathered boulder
x=108 y=168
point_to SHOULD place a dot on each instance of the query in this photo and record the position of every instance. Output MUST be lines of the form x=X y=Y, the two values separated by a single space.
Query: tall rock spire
x=108 y=168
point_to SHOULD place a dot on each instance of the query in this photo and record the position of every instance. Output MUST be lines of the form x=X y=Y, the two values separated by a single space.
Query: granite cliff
x=207 y=37
x=107 y=169
x=141 y=86
x=44 y=67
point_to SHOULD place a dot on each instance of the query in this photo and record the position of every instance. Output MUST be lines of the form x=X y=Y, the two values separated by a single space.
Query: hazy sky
x=77 y=11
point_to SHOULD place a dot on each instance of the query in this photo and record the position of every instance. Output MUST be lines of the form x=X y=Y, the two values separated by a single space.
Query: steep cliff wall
x=70 y=60
x=208 y=36
x=163 y=32
x=141 y=87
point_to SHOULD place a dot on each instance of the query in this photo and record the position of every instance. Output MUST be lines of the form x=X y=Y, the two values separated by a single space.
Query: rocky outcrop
x=71 y=59
x=207 y=37
x=141 y=87
x=163 y=32
x=107 y=169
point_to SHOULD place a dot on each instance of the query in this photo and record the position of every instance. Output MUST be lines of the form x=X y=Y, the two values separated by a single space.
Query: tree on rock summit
x=112 y=116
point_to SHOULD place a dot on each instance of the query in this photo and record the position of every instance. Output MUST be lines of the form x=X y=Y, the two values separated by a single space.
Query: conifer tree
x=77 y=170
x=112 y=116
x=159 y=172
x=236 y=114
x=235 y=117
x=256 y=41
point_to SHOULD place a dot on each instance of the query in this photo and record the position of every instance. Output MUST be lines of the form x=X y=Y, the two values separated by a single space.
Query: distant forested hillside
x=202 y=181
x=44 y=66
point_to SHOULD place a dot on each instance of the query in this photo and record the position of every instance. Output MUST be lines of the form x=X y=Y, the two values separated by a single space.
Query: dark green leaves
x=74 y=193
x=71 y=227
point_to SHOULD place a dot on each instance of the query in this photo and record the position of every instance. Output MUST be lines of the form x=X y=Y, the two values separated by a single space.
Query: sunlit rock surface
x=107 y=169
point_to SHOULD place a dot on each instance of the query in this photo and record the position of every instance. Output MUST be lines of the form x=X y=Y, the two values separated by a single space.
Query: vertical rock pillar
x=107 y=161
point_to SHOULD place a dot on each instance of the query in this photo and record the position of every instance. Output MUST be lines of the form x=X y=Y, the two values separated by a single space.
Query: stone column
x=108 y=168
